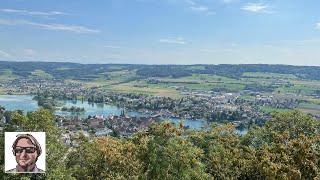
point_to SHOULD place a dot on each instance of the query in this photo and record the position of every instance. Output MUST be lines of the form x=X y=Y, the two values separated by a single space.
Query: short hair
x=31 y=138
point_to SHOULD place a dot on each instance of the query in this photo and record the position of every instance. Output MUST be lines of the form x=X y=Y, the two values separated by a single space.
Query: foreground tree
x=225 y=157
x=169 y=155
x=287 y=147
x=105 y=158
x=41 y=121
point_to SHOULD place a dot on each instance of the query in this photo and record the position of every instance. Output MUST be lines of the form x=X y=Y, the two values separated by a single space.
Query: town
x=202 y=98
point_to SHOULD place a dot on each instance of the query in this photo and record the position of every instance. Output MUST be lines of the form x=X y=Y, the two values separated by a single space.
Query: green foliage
x=60 y=70
x=296 y=159
x=292 y=123
x=170 y=156
x=40 y=121
x=105 y=158
x=274 y=151
x=225 y=157
x=286 y=147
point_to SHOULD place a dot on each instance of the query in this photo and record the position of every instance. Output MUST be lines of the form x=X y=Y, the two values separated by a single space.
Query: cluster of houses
x=31 y=86
x=125 y=125
x=96 y=126
x=195 y=104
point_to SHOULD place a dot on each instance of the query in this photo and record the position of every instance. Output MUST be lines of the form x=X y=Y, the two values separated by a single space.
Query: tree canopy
x=286 y=147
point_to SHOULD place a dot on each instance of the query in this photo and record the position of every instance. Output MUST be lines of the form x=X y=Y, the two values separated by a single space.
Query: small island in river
x=72 y=109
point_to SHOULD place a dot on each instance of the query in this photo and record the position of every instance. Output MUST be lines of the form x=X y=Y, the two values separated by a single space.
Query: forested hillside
x=90 y=71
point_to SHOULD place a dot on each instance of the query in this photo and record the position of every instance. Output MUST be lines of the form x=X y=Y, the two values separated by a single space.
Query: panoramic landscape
x=180 y=89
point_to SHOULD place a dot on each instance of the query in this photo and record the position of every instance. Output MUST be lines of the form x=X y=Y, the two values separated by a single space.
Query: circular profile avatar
x=26 y=149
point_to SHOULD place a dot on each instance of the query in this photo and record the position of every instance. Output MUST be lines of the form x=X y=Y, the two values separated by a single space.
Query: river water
x=15 y=102
x=26 y=103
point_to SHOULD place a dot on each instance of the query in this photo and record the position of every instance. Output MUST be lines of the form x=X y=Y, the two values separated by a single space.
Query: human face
x=25 y=158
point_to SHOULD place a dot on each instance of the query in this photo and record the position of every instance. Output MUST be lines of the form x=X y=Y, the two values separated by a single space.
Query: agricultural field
x=2 y=90
x=120 y=80
x=269 y=109
x=296 y=89
x=178 y=81
x=6 y=74
x=310 y=106
x=156 y=91
x=266 y=75
x=40 y=74
x=203 y=82
x=314 y=101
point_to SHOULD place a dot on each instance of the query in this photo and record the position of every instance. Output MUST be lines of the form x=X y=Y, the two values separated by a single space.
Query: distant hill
x=62 y=70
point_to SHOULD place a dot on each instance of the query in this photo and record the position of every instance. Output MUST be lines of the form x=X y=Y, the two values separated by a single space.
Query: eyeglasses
x=28 y=150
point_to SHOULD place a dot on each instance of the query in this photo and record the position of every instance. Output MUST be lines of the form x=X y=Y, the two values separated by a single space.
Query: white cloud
x=29 y=52
x=255 y=7
x=32 y=13
x=112 y=47
x=208 y=50
x=63 y=27
x=4 y=54
x=220 y=50
x=202 y=9
x=318 y=25
x=199 y=8
x=229 y=1
x=173 y=41
x=56 y=27
x=191 y=2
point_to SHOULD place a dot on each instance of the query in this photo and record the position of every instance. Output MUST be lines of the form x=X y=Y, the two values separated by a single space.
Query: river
x=26 y=103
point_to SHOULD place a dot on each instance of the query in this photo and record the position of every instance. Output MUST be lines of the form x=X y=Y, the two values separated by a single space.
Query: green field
x=298 y=89
x=269 y=75
x=40 y=74
x=203 y=82
x=269 y=109
x=314 y=101
x=156 y=91
x=126 y=81
x=120 y=79
x=309 y=106
x=6 y=74
x=2 y=90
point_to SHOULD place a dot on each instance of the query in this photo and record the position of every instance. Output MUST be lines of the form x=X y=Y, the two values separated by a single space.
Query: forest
x=62 y=70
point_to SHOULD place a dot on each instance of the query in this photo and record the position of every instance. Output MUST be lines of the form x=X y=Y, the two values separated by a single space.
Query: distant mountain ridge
x=60 y=70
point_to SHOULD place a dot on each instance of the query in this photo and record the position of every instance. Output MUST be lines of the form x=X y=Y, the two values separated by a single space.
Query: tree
x=170 y=156
x=224 y=156
x=41 y=121
x=286 y=147
x=105 y=158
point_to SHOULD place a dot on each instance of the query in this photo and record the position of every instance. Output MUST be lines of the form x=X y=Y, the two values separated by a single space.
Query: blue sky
x=161 y=31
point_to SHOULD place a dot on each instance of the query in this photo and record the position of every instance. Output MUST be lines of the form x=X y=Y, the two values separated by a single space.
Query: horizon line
x=70 y=62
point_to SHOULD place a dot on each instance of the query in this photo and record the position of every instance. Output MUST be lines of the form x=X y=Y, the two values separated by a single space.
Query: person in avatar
x=26 y=149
